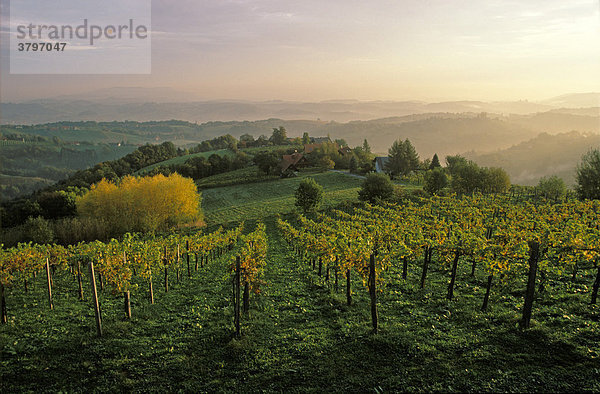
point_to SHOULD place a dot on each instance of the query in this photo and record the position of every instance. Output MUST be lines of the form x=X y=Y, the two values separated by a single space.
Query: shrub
x=588 y=175
x=376 y=186
x=309 y=195
x=552 y=188
x=435 y=180
x=143 y=204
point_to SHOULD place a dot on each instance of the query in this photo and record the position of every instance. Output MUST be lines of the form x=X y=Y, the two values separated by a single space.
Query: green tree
x=435 y=180
x=305 y=138
x=495 y=180
x=57 y=204
x=364 y=159
x=325 y=163
x=38 y=230
x=454 y=163
x=403 y=158
x=246 y=138
x=435 y=162
x=267 y=162
x=353 y=166
x=376 y=186
x=279 y=136
x=366 y=147
x=588 y=176
x=552 y=187
x=309 y=195
x=468 y=177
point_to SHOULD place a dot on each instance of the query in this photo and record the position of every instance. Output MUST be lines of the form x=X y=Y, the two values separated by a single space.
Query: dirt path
x=348 y=174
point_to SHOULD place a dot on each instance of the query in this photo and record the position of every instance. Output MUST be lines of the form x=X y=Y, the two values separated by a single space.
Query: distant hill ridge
x=143 y=104
x=543 y=155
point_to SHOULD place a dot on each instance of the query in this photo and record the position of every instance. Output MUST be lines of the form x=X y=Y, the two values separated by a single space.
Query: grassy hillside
x=183 y=159
x=237 y=177
x=258 y=200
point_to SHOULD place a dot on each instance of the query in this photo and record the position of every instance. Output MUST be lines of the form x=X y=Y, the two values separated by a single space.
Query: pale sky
x=312 y=50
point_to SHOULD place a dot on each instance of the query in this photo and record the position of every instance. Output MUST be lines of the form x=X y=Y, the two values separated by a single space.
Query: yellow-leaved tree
x=141 y=204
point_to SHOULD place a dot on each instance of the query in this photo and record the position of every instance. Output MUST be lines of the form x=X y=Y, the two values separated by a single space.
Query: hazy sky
x=314 y=50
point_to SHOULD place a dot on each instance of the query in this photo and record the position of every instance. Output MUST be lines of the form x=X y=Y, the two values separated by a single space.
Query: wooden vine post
x=246 y=298
x=79 y=282
x=166 y=272
x=49 y=278
x=534 y=255
x=187 y=255
x=126 y=295
x=425 y=265
x=151 y=288
x=404 y=267
x=373 y=291
x=348 y=290
x=236 y=304
x=127 y=304
x=95 y=300
x=335 y=272
x=3 y=313
x=488 y=289
x=177 y=264
x=320 y=266
x=596 y=285
x=453 y=275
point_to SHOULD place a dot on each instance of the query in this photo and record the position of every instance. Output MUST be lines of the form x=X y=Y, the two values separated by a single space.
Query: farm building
x=293 y=162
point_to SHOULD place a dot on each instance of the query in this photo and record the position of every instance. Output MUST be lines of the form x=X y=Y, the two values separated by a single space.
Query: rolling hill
x=541 y=156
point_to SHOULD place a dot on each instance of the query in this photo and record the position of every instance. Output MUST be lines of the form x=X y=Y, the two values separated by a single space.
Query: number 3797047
x=41 y=46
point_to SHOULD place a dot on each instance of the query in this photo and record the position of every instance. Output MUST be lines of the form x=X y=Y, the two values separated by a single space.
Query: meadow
x=240 y=202
x=183 y=159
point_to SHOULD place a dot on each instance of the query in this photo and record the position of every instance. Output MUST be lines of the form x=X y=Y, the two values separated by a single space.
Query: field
x=258 y=200
x=300 y=336
x=237 y=177
x=183 y=159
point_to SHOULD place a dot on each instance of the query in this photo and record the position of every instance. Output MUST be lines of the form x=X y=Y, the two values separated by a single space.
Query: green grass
x=301 y=336
x=183 y=159
x=237 y=177
x=258 y=200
